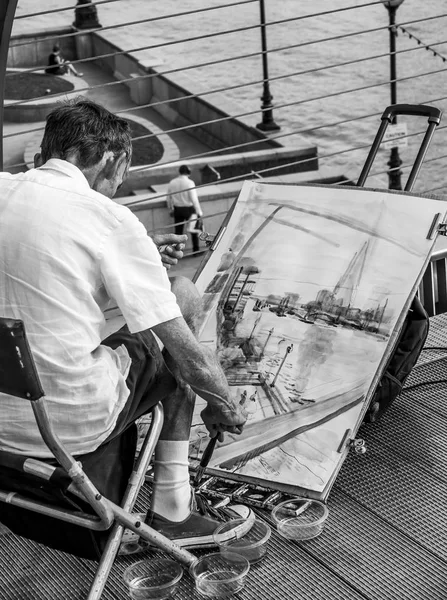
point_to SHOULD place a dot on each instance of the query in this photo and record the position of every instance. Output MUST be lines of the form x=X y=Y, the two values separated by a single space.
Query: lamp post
x=86 y=15
x=267 y=123
x=394 y=174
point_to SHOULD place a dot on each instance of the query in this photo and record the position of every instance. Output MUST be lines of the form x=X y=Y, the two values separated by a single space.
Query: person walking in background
x=57 y=64
x=183 y=202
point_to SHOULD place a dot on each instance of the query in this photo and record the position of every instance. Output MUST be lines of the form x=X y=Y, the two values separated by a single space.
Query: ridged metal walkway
x=386 y=536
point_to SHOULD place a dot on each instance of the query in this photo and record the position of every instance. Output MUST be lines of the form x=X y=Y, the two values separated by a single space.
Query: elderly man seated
x=67 y=251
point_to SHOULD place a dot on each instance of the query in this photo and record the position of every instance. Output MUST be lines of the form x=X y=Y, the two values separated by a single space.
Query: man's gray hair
x=86 y=129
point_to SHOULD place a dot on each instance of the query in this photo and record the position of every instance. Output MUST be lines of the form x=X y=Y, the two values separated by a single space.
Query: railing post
x=7 y=12
x=267 y=123
x=394 y=174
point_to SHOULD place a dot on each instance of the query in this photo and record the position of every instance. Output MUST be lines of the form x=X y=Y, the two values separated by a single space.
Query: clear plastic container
x=300 y=518
x=219 y=575
x=153 y=579
x=252 y=544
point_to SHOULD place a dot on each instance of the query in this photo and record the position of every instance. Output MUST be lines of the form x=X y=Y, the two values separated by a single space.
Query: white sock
x=171 y=495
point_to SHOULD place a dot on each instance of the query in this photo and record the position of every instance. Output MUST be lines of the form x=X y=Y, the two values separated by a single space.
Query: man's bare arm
x=199 y=367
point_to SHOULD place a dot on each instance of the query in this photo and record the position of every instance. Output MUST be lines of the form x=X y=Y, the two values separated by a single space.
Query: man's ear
x=38 y=160
x=112 y=164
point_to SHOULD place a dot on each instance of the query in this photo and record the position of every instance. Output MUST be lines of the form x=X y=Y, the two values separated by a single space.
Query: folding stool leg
x=136 y=480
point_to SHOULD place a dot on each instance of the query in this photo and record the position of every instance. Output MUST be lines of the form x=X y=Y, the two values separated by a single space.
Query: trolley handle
x=415 y=110
x=389 y=114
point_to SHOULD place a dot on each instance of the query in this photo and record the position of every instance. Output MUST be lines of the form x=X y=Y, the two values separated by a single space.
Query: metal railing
x=280 y=107
x=324 y=124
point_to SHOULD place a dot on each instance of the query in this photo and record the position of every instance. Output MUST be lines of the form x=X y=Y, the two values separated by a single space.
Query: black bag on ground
x=405 y=355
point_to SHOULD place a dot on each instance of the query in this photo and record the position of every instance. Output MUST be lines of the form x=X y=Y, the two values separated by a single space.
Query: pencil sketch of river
x=299 y=304
x=294 y=364
x=323 y=377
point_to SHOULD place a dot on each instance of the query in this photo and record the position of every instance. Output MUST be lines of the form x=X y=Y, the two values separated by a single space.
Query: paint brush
x=206 y=457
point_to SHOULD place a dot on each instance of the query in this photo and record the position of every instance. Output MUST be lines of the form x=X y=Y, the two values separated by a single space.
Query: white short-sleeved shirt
x=66 y=252
x=183 y=191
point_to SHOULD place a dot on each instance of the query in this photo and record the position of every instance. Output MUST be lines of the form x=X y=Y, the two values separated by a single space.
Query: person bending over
x=69 y=252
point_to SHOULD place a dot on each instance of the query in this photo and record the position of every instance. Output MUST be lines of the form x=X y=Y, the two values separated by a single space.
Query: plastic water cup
x=219 y=575
x=153 y=579
x=300 y=518
x=252 y=544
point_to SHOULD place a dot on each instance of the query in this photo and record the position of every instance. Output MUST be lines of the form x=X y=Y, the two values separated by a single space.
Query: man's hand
x=219 y=419
x=170 y=247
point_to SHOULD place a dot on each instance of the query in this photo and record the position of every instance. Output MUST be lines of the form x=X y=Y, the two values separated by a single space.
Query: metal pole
x=86 y=15
x=394 y=174
x=267 y=123
x=7 y=12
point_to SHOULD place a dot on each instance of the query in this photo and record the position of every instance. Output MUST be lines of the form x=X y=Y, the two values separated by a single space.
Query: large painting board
x=304 y=293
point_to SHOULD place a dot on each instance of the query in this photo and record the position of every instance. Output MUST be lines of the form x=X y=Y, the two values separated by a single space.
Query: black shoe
x=196 y=531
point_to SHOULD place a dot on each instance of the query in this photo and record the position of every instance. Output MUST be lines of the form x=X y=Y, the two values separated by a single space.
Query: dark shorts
x=108 y=467
x=149 y=381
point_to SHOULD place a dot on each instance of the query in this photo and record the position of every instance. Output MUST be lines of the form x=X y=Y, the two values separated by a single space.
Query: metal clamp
x=442 y=229
x=358 y=445
x=212 y=240
x=206 y=237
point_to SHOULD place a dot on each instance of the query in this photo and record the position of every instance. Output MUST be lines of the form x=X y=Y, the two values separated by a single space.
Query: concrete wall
x=238 y=165
x=35 y=52
x=219 y=131
x=155 y=87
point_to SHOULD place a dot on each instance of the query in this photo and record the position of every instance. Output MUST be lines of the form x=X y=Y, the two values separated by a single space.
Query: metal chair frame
x=108 y=514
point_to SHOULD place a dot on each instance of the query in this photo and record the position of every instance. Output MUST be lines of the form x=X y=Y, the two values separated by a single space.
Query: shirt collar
x=66 y=168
